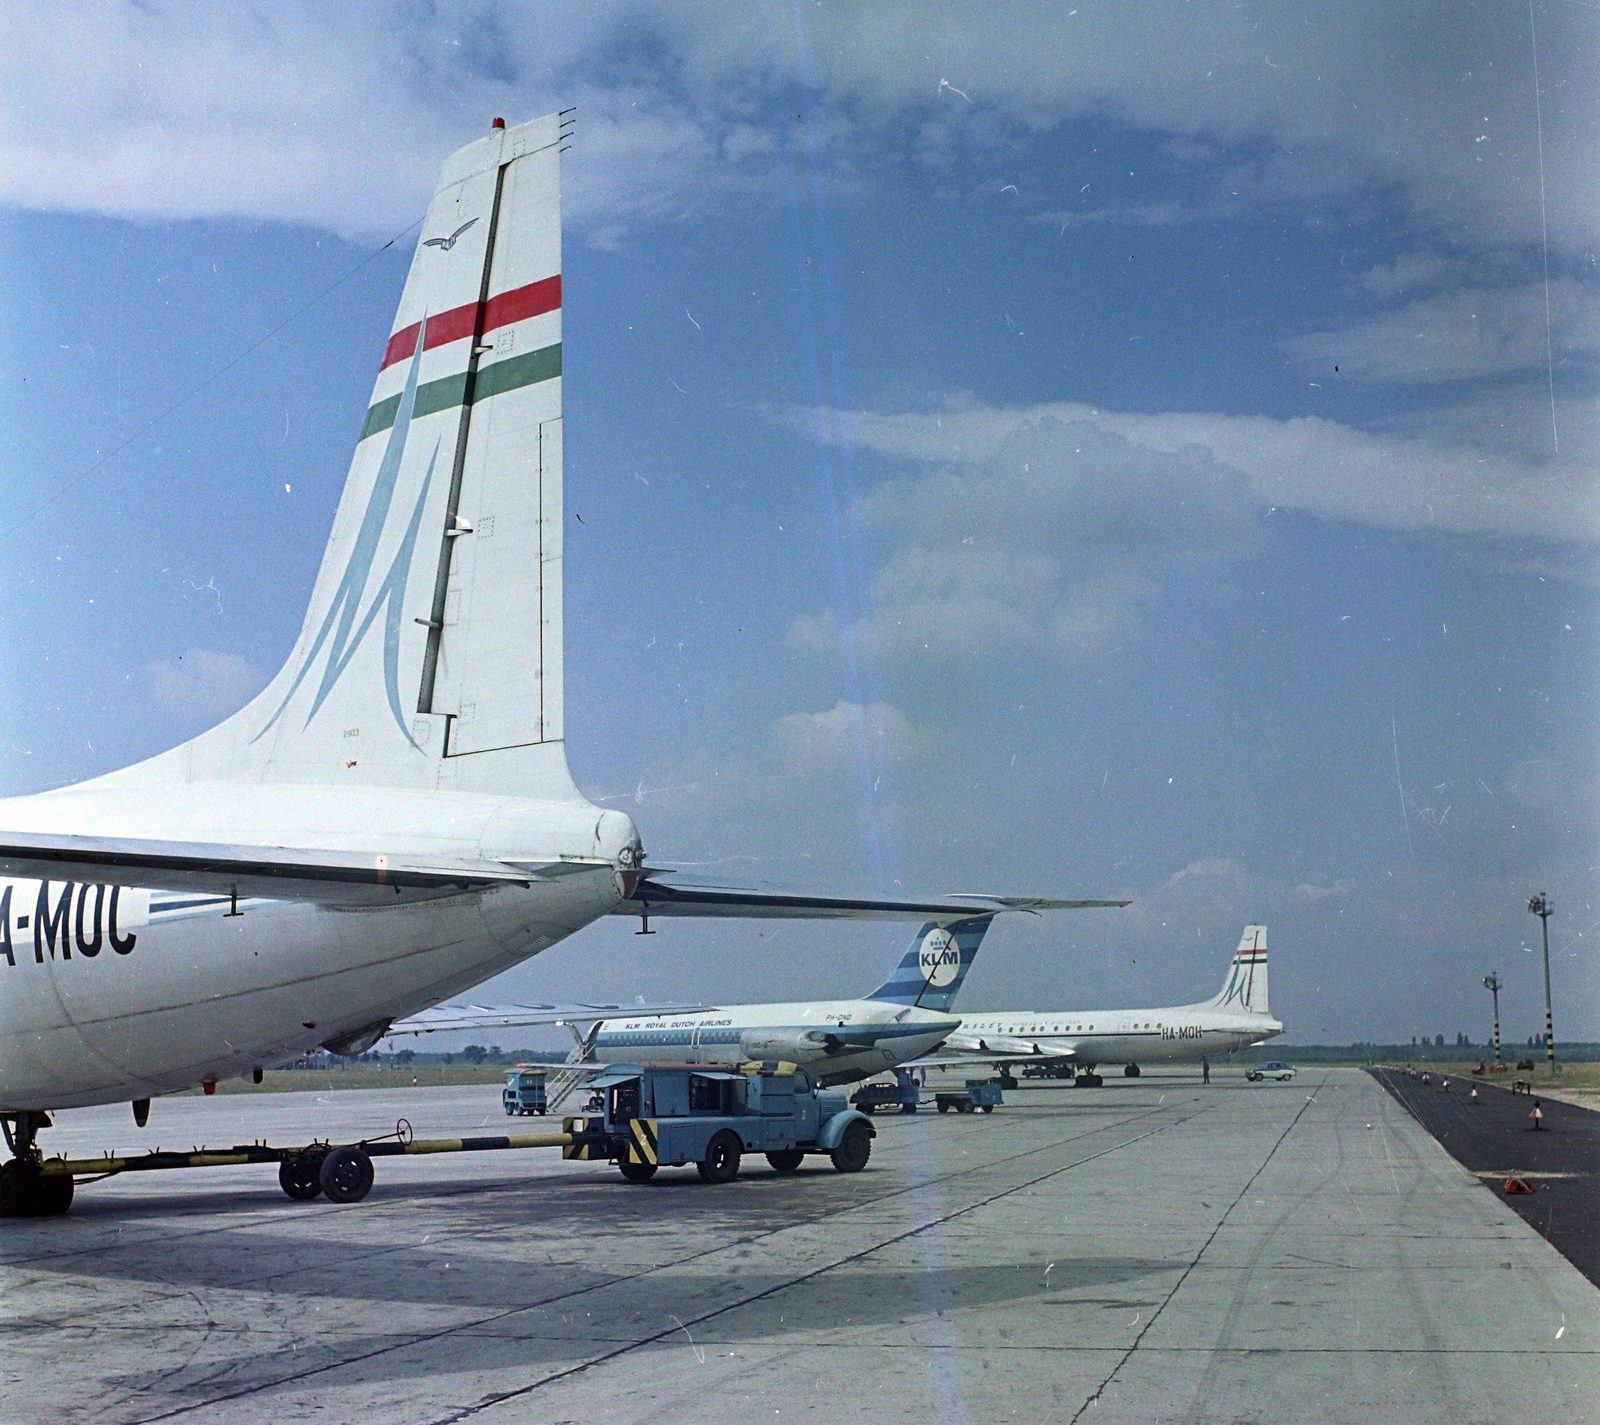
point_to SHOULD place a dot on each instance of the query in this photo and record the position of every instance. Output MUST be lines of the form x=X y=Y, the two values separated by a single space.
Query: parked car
x=1281 y=1072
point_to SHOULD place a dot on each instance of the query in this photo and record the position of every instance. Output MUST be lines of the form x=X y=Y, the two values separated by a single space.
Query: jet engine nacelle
x=798 y=1046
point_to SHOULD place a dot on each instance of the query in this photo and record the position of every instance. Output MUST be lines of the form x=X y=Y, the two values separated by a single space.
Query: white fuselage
x=188 y=992
x=835 y=1040
x=1116 y=1036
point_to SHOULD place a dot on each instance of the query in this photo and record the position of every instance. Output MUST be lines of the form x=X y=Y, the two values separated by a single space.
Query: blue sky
x=1095 y=450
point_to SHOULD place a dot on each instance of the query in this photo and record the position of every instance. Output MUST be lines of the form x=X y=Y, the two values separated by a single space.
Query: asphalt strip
x=1494 y=1139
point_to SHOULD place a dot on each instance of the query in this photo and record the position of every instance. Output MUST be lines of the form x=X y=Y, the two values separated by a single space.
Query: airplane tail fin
x=431 y=653
x=931 y=973
x=1246 y=986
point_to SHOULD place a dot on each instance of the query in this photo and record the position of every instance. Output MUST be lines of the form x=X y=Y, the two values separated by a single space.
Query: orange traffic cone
x=1518 y=1185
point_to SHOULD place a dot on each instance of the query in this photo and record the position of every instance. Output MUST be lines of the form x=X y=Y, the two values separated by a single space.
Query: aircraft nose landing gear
x=24 y=1191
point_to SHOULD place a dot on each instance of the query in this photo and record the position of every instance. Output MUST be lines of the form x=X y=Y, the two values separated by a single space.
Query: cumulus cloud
x=847 y=735
x=1452 y=336
x=1050 y=544
x=205 y=683
x=1426 y=481
x=337 y=115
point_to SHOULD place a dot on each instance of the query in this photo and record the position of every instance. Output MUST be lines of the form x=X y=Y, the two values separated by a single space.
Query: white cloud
x=338 y=115
x=1408 y=271
x=1456 y=335
x=1050 y=544
x=205 y=683
x=1389 y=481
x=847 y=735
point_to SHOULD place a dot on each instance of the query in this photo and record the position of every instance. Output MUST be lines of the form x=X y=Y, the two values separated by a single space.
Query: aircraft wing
x=991 y=1049
x=654 y=897
x=274 y=872
x=511 y=1016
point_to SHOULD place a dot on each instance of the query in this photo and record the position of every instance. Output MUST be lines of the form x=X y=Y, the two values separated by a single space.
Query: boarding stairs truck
x=646 y=1118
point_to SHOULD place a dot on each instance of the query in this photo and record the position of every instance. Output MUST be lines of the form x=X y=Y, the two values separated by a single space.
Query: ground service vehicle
x=524 y=1091
x=981 y=1094
x=640 y=1118
x=1281 y=1072
x=905 y=1094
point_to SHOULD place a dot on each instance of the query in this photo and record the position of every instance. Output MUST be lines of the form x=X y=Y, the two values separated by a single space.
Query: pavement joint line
x=419 y=1338
x=1183 y=1276
x=501 y=1397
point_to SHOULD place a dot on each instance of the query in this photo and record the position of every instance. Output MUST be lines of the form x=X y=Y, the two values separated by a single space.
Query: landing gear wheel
x=24 y=1193
x=721 y=1162
x=786 y=1160
x=1088 y=1081
x=637 y=1172
x=346 y=1175
x=54 y=1196
x=1130 y=1071
x=854 y=1148
x=300 y=1178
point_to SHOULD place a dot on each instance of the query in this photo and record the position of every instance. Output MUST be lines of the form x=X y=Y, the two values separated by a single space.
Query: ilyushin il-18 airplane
x=392 y=820
x=835 y=1041
x=1074 y=1043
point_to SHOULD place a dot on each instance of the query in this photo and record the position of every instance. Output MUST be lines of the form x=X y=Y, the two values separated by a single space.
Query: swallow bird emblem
x=444 y=244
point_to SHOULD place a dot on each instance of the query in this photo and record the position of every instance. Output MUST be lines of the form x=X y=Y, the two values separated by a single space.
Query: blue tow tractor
x=524 y=1091
x=980 y=1095
x=645 y=1118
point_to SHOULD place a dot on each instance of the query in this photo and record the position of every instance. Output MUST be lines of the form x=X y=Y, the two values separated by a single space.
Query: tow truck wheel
x=944 y=1107
x=637 y=1172
x=854 y=1148
x=346 y=1175
x=786 y=1160
x=721 y=1162
x=299 y=1177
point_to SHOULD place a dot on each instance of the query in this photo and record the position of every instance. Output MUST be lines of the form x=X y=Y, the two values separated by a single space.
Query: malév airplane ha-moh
x=391 y=821
x=1079 y=1041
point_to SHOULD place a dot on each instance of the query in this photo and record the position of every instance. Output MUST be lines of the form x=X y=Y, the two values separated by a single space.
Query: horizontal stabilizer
x=653 y=897
x=511 y=1016
x=270 y=872
x=1036 y=903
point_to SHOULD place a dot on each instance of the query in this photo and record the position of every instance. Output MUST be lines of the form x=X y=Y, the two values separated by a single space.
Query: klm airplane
x=392 y=820
x=1075 y=1042
x=835 y=1041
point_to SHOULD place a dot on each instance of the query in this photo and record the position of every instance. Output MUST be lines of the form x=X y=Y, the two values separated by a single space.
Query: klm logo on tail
x=389 y=598
x=939 y=958
x=930 y=973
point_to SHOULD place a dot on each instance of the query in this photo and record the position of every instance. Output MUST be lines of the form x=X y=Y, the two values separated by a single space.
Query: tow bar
x=341 y=1173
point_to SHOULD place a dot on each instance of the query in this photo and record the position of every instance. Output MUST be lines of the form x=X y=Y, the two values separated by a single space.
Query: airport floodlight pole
x=1491 y=982
x=1541 y=906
